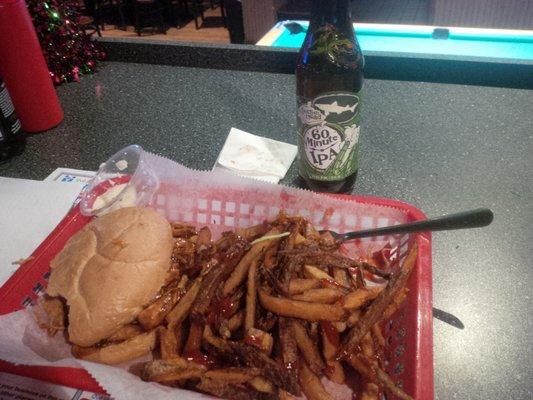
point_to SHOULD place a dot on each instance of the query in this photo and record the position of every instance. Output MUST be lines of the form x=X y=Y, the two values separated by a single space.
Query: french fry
x=270 y=369
x=180 y=230
x=360 y=297
x=271 y=255
x=156 y=312
x=375 y=312
x=340 y=275
x=330 y=340
x=183 y=254
x=313 y=272
x=118 y=353
x=214 y=341
x=214 y=279
x=301 y=309
x=298 y=285
x=194 y=340
x=251 y=297
x=357 y=362
x=181 y=309
x=311 y=385
x=241 y=270
x=291 y=239
x=386 y=380
x=229 y=390
x=340 y=326
x=371 y=392
x=289 y=348
x=313 y=331
x=125 y=333
x=335 y=372
x=327 y=238
x=266 y=321
x=260 y=339
x=378 y=335
x=171 y=370
x=204 y=239
x=252 y=232
x=223 y=328
x=326 y=295
x=298 y=240
x=233 y=375
x=353 y=318
x=330 y=345
x=393 y=307
x=367 y=346
x=310 y=231
x=261 y=384
x=283 y=395
x=173 y=273
x=307 y=347
x=235 y=322
x=182 y=284
x=374 y=270
x=168 y=344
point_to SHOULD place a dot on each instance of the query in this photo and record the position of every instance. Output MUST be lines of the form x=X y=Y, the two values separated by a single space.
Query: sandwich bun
x=110 y=270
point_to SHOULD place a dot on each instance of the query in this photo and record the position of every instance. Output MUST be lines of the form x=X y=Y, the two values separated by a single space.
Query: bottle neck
x=333 y=12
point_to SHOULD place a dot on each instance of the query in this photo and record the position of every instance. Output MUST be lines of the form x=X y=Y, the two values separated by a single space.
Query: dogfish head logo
x=337 y=108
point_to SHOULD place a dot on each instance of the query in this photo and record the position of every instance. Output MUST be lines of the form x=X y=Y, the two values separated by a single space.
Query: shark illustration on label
x=335 y=108
x=328 y=135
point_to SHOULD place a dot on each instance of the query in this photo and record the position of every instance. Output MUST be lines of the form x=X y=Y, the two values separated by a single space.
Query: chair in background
x=234 y=20
x=148 y=14
x=177 y=12
x=88 y=25
x=198 y=11
x=86 y=20
x=107 y=11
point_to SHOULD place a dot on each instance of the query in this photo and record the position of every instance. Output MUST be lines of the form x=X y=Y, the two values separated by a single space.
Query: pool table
x=419 y=39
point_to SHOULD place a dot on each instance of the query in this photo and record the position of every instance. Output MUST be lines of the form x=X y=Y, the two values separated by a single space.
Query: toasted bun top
x=110 y=270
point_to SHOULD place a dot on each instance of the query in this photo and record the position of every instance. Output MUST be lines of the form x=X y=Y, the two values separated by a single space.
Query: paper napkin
x=255 y=156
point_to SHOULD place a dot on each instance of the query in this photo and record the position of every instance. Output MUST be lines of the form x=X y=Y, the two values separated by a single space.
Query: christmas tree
x=68 y=51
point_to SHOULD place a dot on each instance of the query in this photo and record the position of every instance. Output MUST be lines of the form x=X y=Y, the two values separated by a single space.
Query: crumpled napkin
x=255 y=156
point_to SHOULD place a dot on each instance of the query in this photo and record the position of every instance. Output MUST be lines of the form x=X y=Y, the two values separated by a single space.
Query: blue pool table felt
x=507 y=47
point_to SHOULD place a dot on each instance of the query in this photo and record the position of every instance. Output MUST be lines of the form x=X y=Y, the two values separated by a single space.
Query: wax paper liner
x=224 y=202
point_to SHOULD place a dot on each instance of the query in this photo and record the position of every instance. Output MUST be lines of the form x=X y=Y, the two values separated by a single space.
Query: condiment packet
x=255 y=156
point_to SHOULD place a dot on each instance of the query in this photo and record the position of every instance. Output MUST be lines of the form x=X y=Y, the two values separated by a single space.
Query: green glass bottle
x=329 y=82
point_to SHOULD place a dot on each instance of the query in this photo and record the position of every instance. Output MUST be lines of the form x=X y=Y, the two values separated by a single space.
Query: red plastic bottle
x=24 y=69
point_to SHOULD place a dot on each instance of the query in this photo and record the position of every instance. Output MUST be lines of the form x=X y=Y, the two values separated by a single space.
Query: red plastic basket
x=409 y=333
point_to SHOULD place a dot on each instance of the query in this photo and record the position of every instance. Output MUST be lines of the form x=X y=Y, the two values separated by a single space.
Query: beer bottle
x=329 y=79
x=12 y=138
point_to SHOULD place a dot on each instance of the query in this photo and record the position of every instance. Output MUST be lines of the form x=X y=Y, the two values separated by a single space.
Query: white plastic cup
x=125 y=180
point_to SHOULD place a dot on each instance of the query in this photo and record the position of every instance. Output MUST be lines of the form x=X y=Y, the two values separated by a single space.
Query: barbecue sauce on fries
x=266 y=312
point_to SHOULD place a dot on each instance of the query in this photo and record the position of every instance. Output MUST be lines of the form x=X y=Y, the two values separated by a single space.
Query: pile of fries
x=265 y=312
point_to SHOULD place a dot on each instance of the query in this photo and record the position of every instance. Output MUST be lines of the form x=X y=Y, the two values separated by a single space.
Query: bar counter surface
x=443 y=147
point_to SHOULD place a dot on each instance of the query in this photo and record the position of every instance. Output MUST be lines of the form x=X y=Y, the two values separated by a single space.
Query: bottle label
x=8 y=117
x=328 y=133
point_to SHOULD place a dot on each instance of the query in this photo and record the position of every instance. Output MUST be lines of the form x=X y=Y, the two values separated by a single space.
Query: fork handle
x=463 y=220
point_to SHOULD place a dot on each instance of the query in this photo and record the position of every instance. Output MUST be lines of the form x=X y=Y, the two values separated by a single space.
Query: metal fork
x=464 y=220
